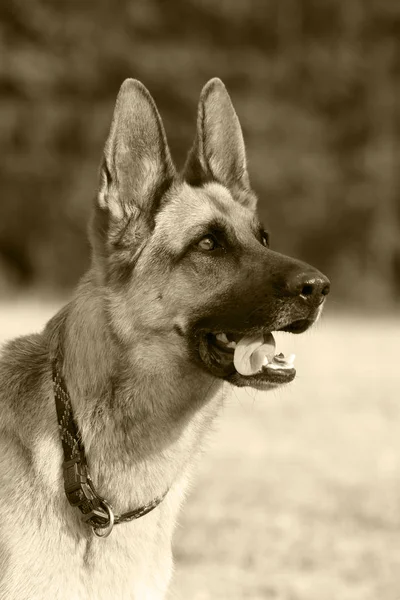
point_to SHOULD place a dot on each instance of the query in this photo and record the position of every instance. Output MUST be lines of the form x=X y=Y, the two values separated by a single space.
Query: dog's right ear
x=137 y=165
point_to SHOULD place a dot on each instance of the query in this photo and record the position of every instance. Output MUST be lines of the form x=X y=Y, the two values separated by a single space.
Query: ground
x=297 y=496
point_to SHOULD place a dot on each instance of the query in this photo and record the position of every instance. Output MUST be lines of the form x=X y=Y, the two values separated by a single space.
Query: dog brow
x=209 y=226
x=221 y=225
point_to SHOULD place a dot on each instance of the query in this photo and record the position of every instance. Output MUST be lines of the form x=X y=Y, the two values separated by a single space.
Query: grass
x=297 y=496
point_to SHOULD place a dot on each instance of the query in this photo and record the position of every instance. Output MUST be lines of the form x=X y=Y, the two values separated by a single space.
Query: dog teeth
x=290 y=359
x=280 y=358
x=278 y=366
x=281 y=362
x=221 y=337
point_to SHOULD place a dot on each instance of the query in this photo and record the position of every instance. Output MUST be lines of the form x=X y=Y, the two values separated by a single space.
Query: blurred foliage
x=316 y=86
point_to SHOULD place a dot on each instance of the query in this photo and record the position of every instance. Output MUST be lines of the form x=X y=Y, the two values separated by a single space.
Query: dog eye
x=208 y=242
x=265 y=239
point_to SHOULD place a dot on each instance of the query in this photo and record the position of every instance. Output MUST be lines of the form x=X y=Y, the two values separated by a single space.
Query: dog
x=103 y=413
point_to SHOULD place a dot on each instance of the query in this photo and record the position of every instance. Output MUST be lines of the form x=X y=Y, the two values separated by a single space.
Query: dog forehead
x=188 y=208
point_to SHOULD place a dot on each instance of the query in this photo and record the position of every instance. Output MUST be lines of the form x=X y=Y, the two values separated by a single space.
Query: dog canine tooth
x=277 y=366
x=221 y=337
x=280 y=358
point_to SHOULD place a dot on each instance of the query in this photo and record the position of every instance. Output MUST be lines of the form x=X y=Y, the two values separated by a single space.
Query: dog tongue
x=252 y=352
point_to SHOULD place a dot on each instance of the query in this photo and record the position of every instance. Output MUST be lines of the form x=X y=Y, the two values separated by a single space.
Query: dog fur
x=141 y=395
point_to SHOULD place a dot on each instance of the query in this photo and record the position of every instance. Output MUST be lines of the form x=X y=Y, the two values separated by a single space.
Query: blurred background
x=316 y=87
x=299 y=497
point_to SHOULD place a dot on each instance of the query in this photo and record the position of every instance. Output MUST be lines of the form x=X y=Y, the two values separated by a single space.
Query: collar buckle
x=76 y=484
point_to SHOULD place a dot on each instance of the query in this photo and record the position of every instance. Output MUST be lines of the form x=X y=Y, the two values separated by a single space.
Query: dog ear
x=137 y=165
x=218 y=153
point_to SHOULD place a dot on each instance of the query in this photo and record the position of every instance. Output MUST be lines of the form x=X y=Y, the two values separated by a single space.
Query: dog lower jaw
x=262 y=381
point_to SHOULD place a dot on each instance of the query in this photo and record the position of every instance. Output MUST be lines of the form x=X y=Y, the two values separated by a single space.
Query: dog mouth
x=250 y=359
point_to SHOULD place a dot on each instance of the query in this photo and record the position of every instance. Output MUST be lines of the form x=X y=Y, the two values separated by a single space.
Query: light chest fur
x=49 y=552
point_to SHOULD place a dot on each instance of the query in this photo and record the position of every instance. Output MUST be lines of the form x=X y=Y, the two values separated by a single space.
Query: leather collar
x=78 y=485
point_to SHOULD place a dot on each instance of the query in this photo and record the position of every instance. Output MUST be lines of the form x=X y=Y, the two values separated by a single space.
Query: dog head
x=183 y=258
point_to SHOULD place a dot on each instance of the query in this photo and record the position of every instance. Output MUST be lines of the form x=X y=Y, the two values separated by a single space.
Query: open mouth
x=249 y=359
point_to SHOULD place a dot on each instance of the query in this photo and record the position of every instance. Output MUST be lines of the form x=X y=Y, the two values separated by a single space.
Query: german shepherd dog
x=183 y=294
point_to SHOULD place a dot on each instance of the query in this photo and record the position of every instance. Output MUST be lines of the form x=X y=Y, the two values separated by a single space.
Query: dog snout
x=308 y=284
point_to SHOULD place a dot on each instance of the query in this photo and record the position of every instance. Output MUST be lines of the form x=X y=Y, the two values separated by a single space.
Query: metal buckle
x=79 y=489
x=75 y=481
x=108 y=528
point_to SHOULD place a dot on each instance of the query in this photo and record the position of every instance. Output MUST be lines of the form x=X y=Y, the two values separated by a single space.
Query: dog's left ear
x=218 y=153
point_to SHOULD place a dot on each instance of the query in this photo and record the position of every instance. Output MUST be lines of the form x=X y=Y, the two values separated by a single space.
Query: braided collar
x=78 y=485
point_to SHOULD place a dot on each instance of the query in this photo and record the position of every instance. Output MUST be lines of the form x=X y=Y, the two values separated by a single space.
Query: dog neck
x=140 y=427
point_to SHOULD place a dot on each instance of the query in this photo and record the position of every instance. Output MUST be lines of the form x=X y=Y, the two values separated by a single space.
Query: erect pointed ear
x=137 y=165
x=218 y=153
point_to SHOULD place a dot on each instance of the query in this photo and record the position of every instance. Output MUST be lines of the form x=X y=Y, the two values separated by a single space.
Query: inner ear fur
x=137 y=167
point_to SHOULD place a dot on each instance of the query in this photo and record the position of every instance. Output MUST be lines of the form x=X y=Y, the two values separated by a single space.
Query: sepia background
x=298 y=495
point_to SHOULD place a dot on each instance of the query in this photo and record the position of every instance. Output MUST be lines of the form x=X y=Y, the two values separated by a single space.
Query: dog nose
x=310 y=285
